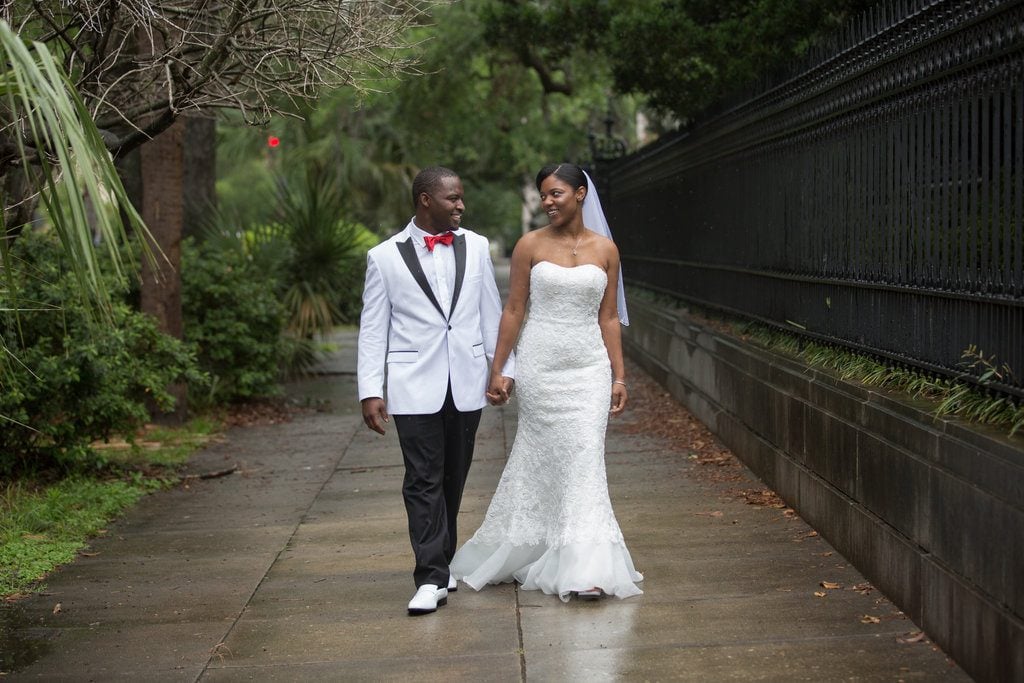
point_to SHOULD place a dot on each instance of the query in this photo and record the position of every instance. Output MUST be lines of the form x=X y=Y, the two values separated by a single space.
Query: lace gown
x=550 y=525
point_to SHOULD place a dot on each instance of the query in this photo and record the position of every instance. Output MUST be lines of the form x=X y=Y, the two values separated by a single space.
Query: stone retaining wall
x=930 y=510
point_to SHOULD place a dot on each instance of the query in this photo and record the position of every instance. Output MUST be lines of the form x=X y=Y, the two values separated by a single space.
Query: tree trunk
x=200 y=173
x=162 y=170
x=131 y=177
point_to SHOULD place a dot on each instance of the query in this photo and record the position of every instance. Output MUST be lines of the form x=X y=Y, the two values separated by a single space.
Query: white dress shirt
x=438 y=265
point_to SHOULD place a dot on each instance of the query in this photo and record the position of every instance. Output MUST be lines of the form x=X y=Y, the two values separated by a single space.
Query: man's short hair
x=428 y=180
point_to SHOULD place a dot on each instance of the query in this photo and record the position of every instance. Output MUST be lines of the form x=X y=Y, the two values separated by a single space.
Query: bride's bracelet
x=619 y=381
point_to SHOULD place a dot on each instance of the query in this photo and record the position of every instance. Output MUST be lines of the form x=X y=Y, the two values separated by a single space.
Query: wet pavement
x=298 y=567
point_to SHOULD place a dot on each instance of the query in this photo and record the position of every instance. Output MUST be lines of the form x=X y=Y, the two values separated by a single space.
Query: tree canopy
x=475 y=108
x=508 y=85
x=683 y=55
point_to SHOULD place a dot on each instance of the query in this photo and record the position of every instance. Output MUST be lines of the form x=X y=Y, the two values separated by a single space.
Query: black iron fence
x=874 y=199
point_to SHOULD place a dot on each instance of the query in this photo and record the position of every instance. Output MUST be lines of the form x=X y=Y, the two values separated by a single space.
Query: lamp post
x=607 y=147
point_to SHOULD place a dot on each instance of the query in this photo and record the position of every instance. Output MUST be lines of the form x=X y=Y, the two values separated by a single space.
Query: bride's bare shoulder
x=529 y=242
x=606 y=245
x=600 y=239
x=526 y=247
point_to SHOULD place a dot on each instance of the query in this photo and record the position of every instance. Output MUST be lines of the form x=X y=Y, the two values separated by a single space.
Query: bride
x=550 y=525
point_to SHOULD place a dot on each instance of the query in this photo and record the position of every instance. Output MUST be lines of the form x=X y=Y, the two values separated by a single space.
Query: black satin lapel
x=460 y=269
x=408 y=252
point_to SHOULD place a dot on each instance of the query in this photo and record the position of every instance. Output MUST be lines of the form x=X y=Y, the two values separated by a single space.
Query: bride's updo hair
x=570 y=174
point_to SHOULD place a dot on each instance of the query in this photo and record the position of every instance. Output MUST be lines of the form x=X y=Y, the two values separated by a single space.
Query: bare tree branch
x=140 y=63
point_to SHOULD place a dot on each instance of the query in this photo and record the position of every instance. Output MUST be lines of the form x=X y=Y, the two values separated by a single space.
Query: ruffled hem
x=556 y=571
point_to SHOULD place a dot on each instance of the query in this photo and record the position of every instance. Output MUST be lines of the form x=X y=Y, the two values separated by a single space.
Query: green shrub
x=68 y=380
x=233 y=316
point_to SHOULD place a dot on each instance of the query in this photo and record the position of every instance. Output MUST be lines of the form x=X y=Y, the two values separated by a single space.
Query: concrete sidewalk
x=299 y=568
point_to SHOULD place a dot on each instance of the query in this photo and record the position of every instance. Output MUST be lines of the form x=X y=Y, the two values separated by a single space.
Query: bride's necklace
x=582 y=234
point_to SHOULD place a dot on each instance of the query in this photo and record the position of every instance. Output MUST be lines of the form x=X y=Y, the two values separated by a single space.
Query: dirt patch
x=257 y=413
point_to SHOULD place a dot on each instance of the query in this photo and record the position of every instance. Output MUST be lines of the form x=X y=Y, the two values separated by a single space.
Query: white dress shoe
x=427 y=599
x=453 y=585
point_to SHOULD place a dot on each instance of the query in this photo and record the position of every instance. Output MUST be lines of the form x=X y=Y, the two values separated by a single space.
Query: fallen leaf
x=56 y=608
x=762 y=498
x=819 y=594
x=85 y=554
x=863 y=588
x=912 y=637
x=216 y=650
x=716 y=513
x=831 y=585
x=868 y=619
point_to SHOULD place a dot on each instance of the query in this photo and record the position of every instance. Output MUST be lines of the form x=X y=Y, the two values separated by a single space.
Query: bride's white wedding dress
x=550 y=525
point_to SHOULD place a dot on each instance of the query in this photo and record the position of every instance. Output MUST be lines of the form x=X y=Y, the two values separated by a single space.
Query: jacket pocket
x=478 y=350
x=403 y=356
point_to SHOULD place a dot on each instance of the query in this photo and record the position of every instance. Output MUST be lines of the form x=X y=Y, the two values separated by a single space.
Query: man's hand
x=375 y=414
x=499 y=390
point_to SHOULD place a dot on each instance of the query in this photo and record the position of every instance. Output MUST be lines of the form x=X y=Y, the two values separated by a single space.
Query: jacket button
x=449 y=327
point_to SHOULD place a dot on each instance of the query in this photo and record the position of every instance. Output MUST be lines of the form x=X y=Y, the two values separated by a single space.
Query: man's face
x=445 y=205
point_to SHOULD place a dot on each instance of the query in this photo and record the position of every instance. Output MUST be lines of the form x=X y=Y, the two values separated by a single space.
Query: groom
x=429 y=324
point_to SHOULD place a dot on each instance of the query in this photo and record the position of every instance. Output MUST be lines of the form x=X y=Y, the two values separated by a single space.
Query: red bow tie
x=445 y=238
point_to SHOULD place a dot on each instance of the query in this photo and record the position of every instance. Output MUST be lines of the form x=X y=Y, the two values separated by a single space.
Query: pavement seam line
x=515 y=589
x=519 y=634
x=302 y=518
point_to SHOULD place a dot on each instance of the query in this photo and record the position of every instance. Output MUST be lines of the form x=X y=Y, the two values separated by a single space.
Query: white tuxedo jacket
x=406 y=339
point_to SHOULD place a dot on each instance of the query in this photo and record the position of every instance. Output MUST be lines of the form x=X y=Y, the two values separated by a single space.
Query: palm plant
x=324 y=264
x=62 y=165
x=55 y=161
x=358 y=139
x=315 y=254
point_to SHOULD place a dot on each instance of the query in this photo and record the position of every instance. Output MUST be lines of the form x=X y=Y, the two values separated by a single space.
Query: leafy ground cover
x=948 y=396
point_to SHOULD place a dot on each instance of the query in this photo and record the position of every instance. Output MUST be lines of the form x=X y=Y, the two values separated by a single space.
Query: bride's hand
x=499 y=390
x=619 y=397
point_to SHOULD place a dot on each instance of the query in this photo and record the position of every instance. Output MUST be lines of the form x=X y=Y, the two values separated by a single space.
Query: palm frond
x=66 y=163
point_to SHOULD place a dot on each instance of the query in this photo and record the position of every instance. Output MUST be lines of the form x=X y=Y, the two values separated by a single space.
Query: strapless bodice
x=570 y=296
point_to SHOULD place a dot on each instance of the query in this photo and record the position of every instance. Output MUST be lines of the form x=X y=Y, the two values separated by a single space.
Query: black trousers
x=438 y=450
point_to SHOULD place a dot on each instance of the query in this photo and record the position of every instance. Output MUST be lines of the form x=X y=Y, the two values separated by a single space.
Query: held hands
x=618 y=398
x=375 y=414
x=499 y=390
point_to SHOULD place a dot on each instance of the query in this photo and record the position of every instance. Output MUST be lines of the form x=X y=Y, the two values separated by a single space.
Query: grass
x=43 y=528
x=949 y=396
x=161 y=447
x=45 y=524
